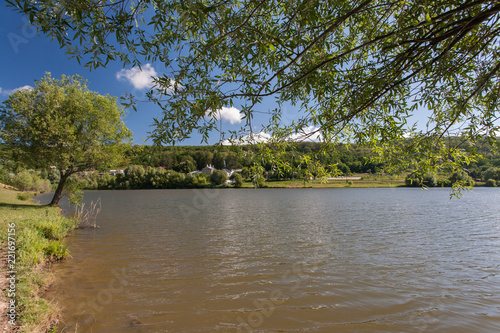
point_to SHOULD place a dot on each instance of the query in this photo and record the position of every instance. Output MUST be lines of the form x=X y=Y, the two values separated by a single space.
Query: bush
x=106 y=181
x=491 y=173
x=54 y=176
x=417 y=180
x=218 y=177
x=203 y=179
x=344 y=168
x=135 y=175
x=23 y=181
x=44 y=174
x=259 y=181
x=4 y=175
x=42 y=185
x=175 y=180
x=237 y=179
x=23 y=196
x=246 y=173
x=461 y=177
x=414 y=180
x=430 y=180
x=29 y=181
x=491 y=183
x=191 y=181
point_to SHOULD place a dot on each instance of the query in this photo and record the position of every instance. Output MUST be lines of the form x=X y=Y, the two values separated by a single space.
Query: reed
x=87 y=215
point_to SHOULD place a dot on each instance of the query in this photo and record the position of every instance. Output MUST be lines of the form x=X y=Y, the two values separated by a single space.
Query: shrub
x=191 y=181
x=4 y=175
x=259 y=181
x=344 y=168
x=491 y=183
x=23 y=181
x=29 y=181
x=416 y=180
x=492 y=173
x=135 y=175
x=218 y=177
x=430 y=180
x=175 y=179
x=461 y=177
x=246 y=173
x=44 y=174
x=54 y=176
x=237 y=179
x=23 y=196
x=106 y=181
x=42 y=185
x=203 y=179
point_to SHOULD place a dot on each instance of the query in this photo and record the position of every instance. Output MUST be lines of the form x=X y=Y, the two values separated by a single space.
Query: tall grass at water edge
x=39 y=231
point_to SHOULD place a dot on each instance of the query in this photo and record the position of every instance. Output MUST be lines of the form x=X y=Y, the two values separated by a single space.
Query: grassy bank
x=36 y=232
x=366 y=181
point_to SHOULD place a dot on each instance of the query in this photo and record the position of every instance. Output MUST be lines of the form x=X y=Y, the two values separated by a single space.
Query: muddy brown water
x=281 y=260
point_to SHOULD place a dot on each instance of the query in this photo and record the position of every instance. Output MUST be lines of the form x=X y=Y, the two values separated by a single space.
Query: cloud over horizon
x=309 y=134
x=251 y=138
x=139 y=78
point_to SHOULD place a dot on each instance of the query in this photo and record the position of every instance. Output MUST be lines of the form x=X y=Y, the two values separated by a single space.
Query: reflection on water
x=311 y=260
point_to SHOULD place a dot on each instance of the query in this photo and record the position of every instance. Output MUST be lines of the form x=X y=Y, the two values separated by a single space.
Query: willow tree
x=62 y=123
x=354 y=70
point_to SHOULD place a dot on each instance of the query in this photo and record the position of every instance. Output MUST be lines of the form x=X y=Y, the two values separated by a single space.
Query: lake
x=285 y=260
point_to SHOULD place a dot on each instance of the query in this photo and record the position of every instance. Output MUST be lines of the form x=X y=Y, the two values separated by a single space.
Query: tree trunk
x=59 y=191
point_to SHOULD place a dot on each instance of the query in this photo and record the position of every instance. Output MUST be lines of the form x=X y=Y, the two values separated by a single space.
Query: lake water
x=285 y=260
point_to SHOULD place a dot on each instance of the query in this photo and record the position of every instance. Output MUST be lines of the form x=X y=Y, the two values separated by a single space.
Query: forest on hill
x=146 y=166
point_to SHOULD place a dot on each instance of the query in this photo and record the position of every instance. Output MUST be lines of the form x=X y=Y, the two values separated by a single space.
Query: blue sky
x=26 y=57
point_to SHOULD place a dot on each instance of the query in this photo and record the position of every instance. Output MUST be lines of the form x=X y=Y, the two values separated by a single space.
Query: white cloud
x=251 y=138
x=408 y=134
x=231 y=114
x=8 y=92
x=139 y=78
x=309 y=133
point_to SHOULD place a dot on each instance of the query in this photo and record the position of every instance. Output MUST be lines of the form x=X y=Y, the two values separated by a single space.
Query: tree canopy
x=355 y=70
x=62 y=123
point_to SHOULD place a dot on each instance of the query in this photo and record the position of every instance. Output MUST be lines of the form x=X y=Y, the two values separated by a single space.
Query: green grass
x=365 y=182
x=38 y=234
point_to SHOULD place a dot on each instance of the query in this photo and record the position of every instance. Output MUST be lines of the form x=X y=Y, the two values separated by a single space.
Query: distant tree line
x=190 y=158
x=153 y=167
x=485 y=169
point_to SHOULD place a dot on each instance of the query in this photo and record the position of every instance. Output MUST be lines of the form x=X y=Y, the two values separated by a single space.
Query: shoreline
x=36 y=232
